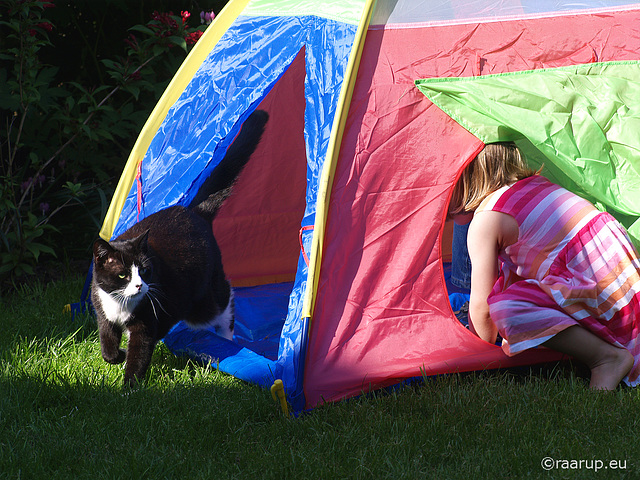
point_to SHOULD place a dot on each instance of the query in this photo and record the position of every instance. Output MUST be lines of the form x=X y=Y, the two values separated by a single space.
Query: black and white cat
x=168 y=268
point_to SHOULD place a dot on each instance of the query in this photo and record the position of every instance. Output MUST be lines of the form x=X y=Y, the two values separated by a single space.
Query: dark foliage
x=78 y=80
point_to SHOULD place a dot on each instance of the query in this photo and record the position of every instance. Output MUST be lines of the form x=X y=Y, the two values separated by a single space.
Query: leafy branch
x=64 y=143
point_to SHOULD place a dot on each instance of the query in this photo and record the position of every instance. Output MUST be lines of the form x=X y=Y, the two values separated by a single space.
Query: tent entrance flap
x=257 y=228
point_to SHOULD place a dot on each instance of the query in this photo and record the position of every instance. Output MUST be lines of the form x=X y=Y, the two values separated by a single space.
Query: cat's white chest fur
x=119 y=305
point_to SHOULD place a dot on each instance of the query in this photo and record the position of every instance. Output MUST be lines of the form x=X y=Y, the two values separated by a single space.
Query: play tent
x=335 y=238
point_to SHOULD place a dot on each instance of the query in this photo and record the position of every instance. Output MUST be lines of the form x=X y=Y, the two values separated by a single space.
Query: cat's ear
x=141 y=242
x=101 y=250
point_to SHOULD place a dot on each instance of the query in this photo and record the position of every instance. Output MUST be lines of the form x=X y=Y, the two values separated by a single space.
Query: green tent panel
x=581 y=122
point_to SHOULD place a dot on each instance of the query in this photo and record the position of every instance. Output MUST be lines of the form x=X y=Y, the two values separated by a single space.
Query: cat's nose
x=139 y=286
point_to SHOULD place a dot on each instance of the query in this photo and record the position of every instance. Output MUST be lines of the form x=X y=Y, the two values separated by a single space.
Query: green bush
x=67 y=132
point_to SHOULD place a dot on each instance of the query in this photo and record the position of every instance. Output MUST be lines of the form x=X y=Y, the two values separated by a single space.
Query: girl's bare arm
x=488 y=233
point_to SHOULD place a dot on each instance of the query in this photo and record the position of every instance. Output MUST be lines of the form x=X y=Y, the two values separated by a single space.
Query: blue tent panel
x=227 y=356
x=260 y=314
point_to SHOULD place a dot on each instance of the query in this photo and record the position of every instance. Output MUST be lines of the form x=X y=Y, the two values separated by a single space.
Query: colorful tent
x=335 y=238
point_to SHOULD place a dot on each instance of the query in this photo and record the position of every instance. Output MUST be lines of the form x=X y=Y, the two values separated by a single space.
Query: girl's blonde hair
x=498 y=164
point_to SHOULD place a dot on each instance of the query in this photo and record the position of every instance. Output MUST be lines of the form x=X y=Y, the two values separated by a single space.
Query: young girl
x=548 y=268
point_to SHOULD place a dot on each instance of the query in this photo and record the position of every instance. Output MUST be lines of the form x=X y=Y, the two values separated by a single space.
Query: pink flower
x=185 y=15
x=207 y=17
x=26 y=184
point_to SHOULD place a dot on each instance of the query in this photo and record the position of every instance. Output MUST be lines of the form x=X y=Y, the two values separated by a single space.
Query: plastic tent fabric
x=584 y=119
x=400 y=157
x=379 y=311
x=293 y=65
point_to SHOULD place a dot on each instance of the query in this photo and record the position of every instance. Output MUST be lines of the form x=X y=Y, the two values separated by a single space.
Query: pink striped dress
x=572 y=264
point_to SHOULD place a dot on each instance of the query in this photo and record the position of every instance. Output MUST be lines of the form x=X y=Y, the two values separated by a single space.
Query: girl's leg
x=608 y=364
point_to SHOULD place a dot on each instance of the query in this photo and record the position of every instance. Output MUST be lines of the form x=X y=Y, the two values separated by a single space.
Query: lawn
x=63 y=414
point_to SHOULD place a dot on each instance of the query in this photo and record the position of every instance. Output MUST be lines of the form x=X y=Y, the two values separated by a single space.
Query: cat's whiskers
x=151 y=298
x=152 y=294
x=125 y=301
x=153 y=306
x=120 y=298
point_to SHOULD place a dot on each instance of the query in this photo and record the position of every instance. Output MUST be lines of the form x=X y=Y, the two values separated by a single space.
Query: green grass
x=64 y=415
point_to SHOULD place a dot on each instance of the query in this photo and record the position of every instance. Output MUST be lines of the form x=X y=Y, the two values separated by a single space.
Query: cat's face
x=122 y=269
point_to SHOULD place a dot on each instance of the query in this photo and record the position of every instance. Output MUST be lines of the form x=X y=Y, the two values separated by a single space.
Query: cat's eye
x=122 y=276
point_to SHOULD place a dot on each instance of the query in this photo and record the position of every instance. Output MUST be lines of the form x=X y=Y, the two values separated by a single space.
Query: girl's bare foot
x=608 y=364
x=610 y=372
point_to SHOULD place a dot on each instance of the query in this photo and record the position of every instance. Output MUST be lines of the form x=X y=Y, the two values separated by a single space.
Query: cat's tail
x=215 y=190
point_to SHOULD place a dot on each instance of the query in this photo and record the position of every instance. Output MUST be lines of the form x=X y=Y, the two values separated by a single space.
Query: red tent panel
x=382 y=311
x=257 y=227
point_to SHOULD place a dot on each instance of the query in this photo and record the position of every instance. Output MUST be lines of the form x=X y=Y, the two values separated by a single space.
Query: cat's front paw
x=130 y=382
x=119 y=357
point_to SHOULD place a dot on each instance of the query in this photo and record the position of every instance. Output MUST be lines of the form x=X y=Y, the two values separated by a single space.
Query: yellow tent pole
x=328 y=171
x=175 y=88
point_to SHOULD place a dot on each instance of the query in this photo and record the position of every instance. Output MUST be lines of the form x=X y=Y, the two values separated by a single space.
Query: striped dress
x=572 y=264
